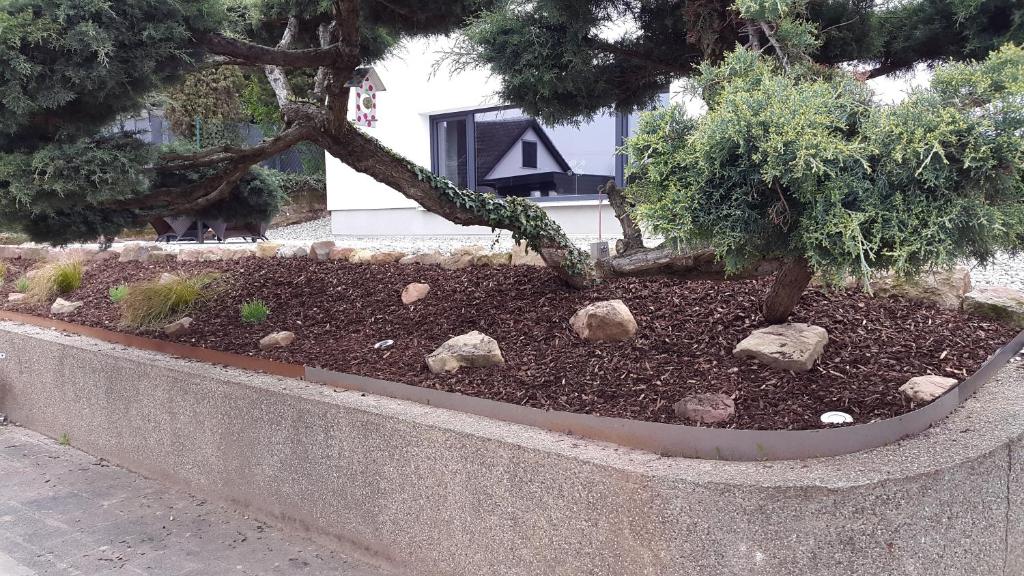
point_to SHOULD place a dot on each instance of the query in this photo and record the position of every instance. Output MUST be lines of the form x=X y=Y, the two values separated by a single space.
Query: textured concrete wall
x=431 y=492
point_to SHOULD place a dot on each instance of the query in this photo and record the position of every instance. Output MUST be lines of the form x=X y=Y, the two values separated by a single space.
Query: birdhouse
x=365 y=83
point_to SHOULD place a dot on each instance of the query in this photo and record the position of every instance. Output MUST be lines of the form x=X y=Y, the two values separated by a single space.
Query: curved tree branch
x=257 y=54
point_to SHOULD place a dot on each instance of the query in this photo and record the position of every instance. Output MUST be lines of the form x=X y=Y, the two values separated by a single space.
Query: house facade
x=453 y=124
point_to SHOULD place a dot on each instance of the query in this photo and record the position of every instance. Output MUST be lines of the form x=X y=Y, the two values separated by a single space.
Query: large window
x=503 y=151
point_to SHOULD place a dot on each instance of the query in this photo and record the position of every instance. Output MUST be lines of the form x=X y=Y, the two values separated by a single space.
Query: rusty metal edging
x=173 y=348
x=665 y=439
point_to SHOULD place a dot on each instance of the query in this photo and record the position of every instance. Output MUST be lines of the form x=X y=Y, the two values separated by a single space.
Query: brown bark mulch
x=684 y=344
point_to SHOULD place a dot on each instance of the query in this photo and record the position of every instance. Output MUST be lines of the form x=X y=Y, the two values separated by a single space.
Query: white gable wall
x=511 y=164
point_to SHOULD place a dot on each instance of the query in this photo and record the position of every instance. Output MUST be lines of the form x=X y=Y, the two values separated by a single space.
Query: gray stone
x=167 y=278
x=16 y=297
x=943 y=287
x=386 y=257
x=458 y=261
x=292 y=252
x=793 y=346
x=276 y=340
x=924 y=389
x=705 y=408
x=493 y=259
x=414 y=292
x=425 y=258
x=473 y=350
x=360 y=256
x=178 y=327
x=138 y=252
x=997 y=302
x=321 y=250
x=608 y=321
x=62 y=306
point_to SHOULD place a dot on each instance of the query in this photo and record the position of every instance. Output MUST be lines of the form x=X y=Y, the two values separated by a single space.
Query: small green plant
x=150 y=304
x=22 y=284
x=56 y=278
x=64 y=439
x=254 y=311
x=117 y=293
x=3 y=271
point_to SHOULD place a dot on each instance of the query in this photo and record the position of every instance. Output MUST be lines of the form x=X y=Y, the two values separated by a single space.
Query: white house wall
x=511 y=164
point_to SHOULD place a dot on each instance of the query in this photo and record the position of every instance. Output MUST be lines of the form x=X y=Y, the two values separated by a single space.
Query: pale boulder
x=997 y=302
x=178 y=327
x=522 y=256
x=386 y=257
x=321 y=250
x=276 y=340
x=414 y=292
x=493 y=259
x=267 y=249
x=16 y=297
x=292 y=252
x=340 y=253
x=924 y=389
x=472 y=350
x=458 y=261
x=134 y=252
x=360 y=256
x=425 y=258
x=609 y=321
x=167 y=278
x=943 y=287
x=62 y=306
x=793 y=346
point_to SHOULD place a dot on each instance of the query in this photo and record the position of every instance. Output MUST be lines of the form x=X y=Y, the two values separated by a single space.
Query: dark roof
x=494 y=138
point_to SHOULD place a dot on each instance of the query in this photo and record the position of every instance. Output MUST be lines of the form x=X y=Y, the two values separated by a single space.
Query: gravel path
x=1002 y=271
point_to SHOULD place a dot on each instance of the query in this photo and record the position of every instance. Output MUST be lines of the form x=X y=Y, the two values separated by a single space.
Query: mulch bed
x=684 y=345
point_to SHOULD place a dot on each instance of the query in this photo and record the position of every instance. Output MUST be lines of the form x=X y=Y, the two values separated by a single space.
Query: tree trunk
x=632 y=236
x=785 y=292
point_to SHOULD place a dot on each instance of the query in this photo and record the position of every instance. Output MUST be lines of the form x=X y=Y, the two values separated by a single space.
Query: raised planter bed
x=431 y=491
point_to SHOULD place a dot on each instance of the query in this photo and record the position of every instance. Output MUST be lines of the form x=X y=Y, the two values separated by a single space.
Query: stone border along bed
x=430 y=492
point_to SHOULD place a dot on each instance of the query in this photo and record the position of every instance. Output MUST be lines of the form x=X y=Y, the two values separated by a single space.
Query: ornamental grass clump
x=150 y=304
x=3 y=271
x=254 y=312
x=55 y=279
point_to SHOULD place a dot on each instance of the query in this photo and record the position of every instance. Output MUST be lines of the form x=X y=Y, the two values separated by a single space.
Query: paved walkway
x=63 y=512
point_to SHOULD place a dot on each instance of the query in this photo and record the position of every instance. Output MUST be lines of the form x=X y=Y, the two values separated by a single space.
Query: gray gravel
x=1002 y=271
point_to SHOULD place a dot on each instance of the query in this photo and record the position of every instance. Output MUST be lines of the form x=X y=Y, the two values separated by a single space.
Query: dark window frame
x=536 y=153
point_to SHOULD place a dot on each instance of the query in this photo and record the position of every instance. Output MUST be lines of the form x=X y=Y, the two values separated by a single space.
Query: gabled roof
x=494 y=138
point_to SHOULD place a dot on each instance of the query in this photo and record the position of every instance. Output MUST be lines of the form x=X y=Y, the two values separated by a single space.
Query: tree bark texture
x=632 y=236
x=784 y=293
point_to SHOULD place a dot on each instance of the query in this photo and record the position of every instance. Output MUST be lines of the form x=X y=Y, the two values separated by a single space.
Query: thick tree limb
x=697 y=265
x=366 y=155
x=256 y=54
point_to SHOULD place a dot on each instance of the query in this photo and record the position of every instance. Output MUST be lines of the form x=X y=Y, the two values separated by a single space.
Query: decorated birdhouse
x=366 y=84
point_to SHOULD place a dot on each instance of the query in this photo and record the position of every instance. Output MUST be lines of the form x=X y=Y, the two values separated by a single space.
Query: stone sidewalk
x=63 y=512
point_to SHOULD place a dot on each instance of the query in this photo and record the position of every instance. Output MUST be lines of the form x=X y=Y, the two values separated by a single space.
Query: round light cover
x=836 y=418
x=384 y=344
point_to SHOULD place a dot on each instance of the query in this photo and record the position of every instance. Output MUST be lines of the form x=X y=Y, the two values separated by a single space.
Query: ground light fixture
x=836 y=418
x=384 y=345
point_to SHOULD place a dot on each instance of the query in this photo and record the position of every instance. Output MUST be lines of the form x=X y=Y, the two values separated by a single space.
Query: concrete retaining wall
x=431 y=492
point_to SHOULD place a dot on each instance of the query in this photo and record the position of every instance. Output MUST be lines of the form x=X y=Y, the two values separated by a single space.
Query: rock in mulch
x=522 y=256
x=138 y=252
x=360 y=256
x=924 y=389
x=62 y=306
x=943 y=287
x=608 y=321
x=292 y=252
x=167 y=278
x=386 y=257
x=997 y=302
x=321 y=250
x=493 y=259
x=178 y=327
x=706 y=408
x=472 y=350
x=425 y=258
x=414 y=292
x=458 y=261
x=340 y=253
x=793 y=346
x=16 y=297
x=267 y=249
x=276 y=340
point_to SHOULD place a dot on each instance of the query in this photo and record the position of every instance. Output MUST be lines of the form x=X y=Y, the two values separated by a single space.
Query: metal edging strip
x=664 y=439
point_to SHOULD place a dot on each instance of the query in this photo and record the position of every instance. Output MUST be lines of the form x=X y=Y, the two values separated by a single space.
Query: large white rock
x=473 y=350
x=276 y=340
x=16 y=297
x=267 y=249
x=522 y=256
x=321 y=250
x=943 y=287
x=292 y=252
x=138 y=252
x=608 y=321
x=793 y=346
x=62 y=306
x=924 y=389
x=998 y=302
